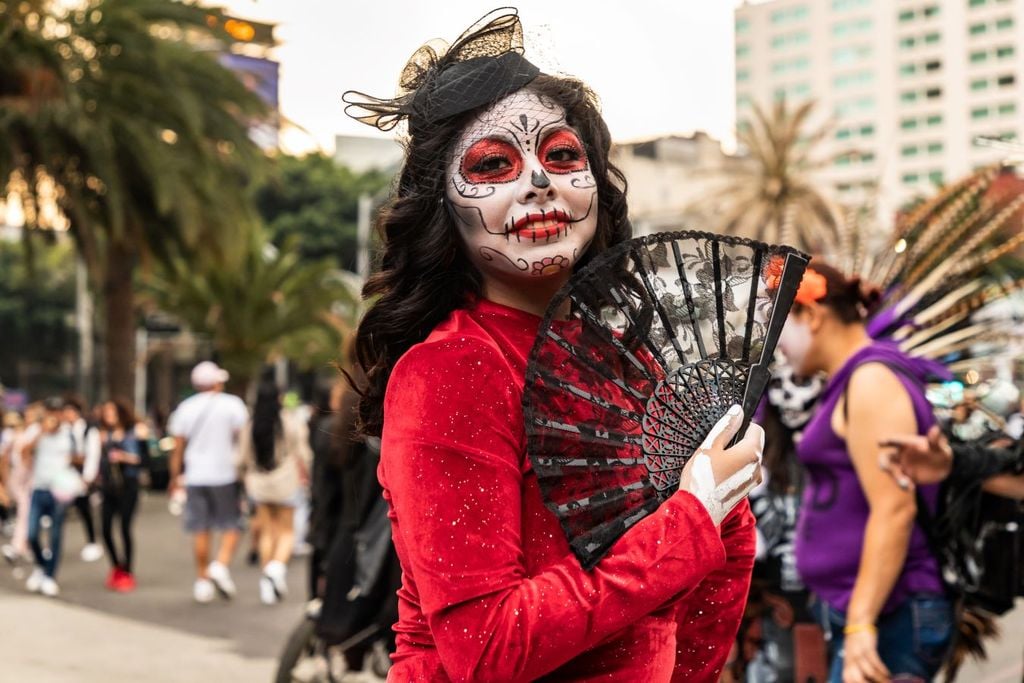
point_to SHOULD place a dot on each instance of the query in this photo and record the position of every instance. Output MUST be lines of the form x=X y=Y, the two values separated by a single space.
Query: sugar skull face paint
x=521 y=190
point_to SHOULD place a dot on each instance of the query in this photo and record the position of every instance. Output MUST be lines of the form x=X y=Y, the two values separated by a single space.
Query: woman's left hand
x=861 y=663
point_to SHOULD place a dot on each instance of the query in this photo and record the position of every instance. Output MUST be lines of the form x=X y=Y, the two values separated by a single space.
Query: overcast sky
x=659 y=66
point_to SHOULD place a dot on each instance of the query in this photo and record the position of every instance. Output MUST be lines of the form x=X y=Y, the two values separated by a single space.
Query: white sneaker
x=10 y=553
x=221 y=577
x=49 y=588
x=203 y=591
x=35 y=580
x=91 y=552
x=277 y=572
x=268 y=596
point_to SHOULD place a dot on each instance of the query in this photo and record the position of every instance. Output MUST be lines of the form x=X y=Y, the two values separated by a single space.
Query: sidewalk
x=51 y=641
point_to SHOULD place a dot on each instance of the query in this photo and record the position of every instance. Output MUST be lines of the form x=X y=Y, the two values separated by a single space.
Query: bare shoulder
x=874 y=381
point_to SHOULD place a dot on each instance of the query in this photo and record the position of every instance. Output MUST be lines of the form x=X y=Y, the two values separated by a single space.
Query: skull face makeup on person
x=520 y=190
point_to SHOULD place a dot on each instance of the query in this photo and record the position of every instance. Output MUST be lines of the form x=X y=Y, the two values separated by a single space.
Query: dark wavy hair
x=852 y=300
x=424 y=272
x=125 y=414
x=266 y=423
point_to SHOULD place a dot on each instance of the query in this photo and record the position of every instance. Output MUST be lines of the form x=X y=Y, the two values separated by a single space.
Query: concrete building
x=907 y=84
x=667 y=176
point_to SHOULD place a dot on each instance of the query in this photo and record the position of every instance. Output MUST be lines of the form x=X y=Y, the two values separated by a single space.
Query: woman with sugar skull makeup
x=880 y=595
x=505 y=191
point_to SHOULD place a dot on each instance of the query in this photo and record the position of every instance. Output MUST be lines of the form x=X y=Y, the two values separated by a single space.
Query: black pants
x=120 y=502
x=85 y=512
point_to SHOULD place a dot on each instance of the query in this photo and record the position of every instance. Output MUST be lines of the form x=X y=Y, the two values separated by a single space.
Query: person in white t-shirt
x=206 y=427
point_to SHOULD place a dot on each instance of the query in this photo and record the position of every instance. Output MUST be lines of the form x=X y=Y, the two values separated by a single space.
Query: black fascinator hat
x=483 y=65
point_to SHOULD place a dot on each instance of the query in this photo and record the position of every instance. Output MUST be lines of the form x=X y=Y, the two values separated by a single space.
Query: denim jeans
x=45 y=505
x=913 y=640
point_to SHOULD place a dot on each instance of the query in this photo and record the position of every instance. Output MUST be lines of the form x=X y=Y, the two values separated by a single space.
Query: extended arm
x=912 y=459
x=177 y=457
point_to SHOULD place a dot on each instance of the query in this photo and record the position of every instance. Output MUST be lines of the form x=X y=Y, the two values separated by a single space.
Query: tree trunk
x=120 y=324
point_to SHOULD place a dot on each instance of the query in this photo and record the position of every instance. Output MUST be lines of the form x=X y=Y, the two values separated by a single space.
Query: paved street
x=158 y=634
x=159 y=623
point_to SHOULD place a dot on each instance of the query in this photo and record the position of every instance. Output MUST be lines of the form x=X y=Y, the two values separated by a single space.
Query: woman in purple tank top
x=858 y=547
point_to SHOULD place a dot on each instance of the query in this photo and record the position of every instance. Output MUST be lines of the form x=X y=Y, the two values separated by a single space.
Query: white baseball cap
x=207 y=374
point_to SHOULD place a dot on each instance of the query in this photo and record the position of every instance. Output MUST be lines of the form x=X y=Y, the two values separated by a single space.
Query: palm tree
x=124 y=107
x=273 y=303
x=772 y=197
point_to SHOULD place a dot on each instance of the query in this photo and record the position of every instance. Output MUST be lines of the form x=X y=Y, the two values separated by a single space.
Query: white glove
x=719 y=477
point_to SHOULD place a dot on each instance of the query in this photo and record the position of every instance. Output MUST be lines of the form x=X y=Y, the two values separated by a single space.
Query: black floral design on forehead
x=522 y=129
x=483 y=65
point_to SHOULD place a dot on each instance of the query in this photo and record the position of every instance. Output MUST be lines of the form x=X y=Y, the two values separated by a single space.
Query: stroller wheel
x=379 y=659
x=305 y=659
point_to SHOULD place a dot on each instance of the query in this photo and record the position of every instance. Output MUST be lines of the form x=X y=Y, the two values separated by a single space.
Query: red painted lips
x=542 y=224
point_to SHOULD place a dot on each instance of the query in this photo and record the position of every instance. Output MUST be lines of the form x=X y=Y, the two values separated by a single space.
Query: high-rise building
x=907 y=85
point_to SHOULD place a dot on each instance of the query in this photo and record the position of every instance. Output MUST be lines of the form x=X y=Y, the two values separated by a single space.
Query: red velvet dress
x=490 y=590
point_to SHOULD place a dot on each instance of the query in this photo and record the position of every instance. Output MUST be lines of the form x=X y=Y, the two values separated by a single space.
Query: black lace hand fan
x=638 y=357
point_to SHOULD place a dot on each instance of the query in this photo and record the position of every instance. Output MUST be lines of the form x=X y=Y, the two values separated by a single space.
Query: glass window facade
x=850 y=54
x=856 y=78
x=843 y=5
x=851 y=28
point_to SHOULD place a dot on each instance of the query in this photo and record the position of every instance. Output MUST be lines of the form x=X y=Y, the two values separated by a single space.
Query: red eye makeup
x=491 y=161
x=562 y=152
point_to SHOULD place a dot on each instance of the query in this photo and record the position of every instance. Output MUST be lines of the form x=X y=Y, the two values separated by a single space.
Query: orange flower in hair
x=813 y=287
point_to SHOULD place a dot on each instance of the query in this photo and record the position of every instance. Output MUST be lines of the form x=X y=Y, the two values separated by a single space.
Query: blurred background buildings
x=908 y=86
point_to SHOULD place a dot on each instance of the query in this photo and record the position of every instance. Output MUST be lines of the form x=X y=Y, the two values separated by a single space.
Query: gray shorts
x=213 y=507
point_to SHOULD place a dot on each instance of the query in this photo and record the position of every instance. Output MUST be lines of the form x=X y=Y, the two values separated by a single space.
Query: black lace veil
x=483 y=65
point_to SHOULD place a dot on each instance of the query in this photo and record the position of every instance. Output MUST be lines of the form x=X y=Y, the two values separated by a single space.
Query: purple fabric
x=834 y=512
x=881 y=321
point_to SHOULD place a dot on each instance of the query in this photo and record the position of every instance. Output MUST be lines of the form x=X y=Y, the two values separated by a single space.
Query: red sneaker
x=126 y=583
x=113 y=578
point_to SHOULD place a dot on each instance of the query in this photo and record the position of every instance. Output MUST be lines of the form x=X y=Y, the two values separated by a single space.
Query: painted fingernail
x=735 y=410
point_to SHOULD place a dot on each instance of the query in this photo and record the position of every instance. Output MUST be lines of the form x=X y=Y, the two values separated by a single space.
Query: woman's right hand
x=720 y=477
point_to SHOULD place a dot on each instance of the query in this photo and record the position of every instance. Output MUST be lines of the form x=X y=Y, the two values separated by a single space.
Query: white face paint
x=795 y=343
x=521 y=190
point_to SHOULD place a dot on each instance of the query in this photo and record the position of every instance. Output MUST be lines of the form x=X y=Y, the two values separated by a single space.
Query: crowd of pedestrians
x=232 y=471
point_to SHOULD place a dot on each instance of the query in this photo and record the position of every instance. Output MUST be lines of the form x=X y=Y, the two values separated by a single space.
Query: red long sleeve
x=503 y=597
x=712 y=612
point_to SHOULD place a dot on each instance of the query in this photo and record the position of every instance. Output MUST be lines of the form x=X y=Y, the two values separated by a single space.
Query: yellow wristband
x=857 y=628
